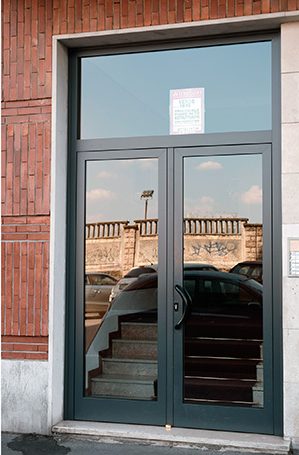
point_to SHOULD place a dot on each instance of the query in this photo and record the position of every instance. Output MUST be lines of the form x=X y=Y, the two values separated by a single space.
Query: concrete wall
x=290 y=220
x=224 y=249
x=24 y=385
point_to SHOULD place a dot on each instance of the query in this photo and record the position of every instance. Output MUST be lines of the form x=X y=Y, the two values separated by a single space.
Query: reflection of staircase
x=223 y=360
x=130 y=368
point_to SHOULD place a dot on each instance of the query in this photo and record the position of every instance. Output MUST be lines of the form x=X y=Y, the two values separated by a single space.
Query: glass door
x=223 y=309
x=120 y=302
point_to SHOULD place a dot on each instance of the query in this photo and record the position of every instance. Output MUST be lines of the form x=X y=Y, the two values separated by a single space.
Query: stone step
x=134 y=349
x=223 y=327
x=130 y=366
x=223 y=347
x=224 y=390
x=227 y=368
x=124 y=386
x=139 y=331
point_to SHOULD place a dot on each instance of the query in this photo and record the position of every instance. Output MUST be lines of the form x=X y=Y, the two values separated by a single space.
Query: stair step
x=223 y=327
x=138 y=367
x=222 y=367
x=214 y=389
x=223 y=347
x=124 y=386
x=131 y=349
x=139 y=331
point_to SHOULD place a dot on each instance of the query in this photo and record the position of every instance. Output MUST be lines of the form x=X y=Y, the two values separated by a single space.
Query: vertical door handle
x=187 y=302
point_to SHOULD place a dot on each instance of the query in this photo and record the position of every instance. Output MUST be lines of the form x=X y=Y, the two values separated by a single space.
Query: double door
x=173 y=306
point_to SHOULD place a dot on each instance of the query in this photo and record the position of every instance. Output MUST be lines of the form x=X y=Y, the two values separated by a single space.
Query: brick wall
x=27 y=29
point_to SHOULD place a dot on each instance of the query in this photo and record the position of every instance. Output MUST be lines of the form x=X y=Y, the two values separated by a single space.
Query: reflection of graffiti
x=213 y=248
x=101 y=255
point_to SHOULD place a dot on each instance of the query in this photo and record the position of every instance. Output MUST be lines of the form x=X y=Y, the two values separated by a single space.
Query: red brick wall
x=27 y=29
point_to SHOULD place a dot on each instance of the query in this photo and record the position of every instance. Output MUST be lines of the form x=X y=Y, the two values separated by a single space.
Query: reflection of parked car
x=97 y=290
x=135 y=273
x=129 y=278
x=251 y=269
x=200 y=266
x=217 y=293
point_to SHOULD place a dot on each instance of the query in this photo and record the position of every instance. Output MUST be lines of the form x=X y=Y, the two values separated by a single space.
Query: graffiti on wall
x=101 y=254
x=213 y=248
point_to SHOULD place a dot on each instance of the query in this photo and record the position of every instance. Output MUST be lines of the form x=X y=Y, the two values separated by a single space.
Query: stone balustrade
x=147 y=227
x=214 y=226
x=105 y=229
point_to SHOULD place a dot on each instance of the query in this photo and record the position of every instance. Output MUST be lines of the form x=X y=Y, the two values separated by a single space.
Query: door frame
x=114 y=409
x=78 y=147
x=222 y=417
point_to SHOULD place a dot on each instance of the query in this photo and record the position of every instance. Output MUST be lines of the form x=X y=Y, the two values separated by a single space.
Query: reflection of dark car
x=97 y=290
x=199 y=266
x=213 y=293
x=251 y=269
x=136 y=272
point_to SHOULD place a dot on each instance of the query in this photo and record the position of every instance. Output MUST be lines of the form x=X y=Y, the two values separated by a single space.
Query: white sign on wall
x=293 y=257
x=186 y=110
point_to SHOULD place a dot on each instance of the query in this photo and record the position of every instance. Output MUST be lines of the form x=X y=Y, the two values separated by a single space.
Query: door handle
x=187 y=302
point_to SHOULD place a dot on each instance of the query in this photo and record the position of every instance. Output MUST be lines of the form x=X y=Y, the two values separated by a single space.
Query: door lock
x=176 y=306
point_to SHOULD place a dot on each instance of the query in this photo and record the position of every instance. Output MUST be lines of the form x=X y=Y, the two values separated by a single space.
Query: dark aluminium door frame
x=81 y=150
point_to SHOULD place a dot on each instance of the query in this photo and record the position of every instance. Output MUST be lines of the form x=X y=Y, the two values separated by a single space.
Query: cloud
x=209 y=166
x=204 y=207
x=99 y=194
x=253 y=196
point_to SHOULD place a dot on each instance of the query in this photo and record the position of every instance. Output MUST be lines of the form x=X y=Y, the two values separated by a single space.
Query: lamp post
x=146 y=195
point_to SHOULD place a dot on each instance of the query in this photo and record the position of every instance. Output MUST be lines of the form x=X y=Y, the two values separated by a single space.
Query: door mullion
x=170 y=284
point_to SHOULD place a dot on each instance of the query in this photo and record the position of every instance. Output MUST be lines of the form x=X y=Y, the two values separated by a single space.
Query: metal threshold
x=174 y=436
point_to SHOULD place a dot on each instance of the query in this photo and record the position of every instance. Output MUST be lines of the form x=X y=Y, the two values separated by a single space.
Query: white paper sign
x=186 y=110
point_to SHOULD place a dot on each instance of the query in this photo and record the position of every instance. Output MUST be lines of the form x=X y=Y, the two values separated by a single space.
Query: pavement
x=32 y=444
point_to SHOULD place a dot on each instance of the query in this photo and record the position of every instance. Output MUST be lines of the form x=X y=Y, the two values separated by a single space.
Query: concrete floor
x=38 y=445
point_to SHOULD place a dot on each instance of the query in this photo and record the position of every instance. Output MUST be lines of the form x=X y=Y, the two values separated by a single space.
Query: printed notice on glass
x=186 y=110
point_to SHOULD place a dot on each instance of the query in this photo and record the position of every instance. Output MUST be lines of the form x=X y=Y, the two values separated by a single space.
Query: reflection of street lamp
x=146 y=195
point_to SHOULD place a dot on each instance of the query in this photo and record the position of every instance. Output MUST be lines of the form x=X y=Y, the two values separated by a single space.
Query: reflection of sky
x=214 y=186
x=128 y=95
x=224 y=186
x=114 y=189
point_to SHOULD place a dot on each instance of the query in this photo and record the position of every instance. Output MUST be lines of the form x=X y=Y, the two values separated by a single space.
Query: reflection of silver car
x=129 y=278
x=251 y=269
x=97 y=290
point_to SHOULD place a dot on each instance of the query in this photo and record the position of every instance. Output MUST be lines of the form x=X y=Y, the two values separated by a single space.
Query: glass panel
x=148 y=93
x=223 y=249
x=121 y=261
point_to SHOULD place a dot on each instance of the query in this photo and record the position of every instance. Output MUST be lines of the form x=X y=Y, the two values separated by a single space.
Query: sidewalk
x=13 y=444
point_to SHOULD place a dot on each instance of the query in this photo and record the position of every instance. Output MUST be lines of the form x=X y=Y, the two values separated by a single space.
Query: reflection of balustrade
x=214 y=226
x=106 y=229
x=198 y=226
x=147 y=227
